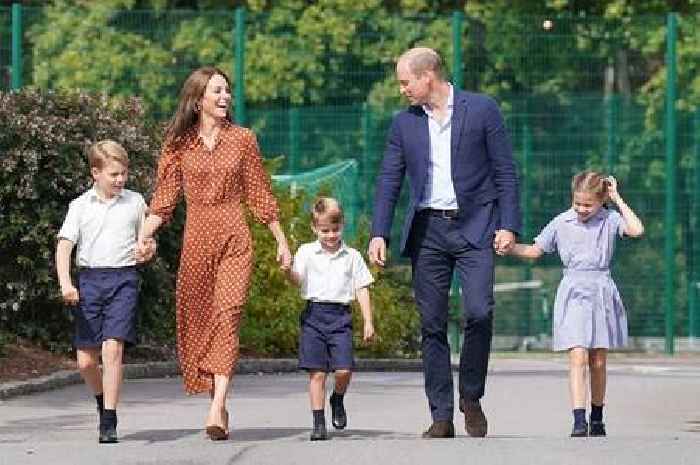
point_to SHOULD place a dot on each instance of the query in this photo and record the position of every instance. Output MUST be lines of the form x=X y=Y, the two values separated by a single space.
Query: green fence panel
x=577 y=92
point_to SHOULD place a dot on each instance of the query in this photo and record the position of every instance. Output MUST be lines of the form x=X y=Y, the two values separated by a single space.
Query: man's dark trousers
x=436 y=248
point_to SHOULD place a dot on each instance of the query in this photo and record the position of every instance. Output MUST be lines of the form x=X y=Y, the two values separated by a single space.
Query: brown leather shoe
x=474 y=419
x=440 y=429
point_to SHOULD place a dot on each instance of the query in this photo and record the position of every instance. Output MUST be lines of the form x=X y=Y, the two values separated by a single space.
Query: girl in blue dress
x=589 y=317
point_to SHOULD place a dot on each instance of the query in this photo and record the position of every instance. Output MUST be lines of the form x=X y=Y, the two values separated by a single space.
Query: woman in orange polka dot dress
x=217 y=165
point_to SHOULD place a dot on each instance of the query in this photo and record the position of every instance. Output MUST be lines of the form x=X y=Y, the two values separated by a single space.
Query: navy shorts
x=107 y=307
x=325 y=339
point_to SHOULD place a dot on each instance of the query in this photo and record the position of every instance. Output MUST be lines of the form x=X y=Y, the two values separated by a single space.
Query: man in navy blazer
x=464 y=203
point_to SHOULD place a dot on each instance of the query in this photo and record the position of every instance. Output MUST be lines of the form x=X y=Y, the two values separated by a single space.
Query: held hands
x=145 y=249
x=503 y=241
x=70 y=295
x=284 y=256
x=377 y=251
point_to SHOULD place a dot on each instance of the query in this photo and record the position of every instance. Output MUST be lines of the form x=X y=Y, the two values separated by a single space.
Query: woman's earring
x=196 y=108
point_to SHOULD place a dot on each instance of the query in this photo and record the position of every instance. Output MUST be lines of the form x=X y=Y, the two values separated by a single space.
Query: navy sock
x=100 y=399
x=596 y=412
x=319 y=417
x=579 y=416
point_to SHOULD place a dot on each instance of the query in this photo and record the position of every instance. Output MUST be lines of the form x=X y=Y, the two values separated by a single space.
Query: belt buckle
x=449 y=214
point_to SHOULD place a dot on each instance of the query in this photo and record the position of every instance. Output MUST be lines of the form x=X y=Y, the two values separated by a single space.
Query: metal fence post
x=366 y=155
x=613 y=112
x=670 y=204
x=16 y=81
x=294 y=139
x=457 y=20
x=694 y=259
x=239 y=67
x=526 y=204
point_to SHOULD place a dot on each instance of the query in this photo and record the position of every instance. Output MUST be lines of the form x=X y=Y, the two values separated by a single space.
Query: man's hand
x=504 y=241
x=70 y=294
x=377 y=251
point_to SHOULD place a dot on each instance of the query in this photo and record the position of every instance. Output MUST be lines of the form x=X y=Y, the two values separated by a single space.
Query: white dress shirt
x=439 y=191
x=104 y=231
x=330 y=277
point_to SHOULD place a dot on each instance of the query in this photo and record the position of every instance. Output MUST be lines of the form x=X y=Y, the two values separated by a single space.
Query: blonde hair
x=103 y=151
x=187 y=114
x=327 y=207
x=421 y=59
x=590 y=182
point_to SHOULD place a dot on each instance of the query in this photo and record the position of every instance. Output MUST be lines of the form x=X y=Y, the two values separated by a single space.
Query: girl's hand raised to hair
x=613 y=194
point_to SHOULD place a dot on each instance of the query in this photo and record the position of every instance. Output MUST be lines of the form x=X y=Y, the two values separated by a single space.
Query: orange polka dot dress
x=217 y=252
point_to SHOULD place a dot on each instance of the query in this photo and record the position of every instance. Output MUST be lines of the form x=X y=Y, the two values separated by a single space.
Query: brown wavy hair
x=186 y=115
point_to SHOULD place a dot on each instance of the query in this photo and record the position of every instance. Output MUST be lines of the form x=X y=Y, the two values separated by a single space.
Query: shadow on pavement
x=161 y=435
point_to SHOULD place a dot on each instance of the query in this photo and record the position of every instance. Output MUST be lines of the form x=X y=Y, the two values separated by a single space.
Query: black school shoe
x=319 y=433
x=579 y=430
x=108 y=429
x=597 y=428
x=338 y=414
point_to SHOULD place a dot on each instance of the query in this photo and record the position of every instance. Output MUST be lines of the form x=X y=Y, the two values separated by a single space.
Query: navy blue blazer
x=483 y=170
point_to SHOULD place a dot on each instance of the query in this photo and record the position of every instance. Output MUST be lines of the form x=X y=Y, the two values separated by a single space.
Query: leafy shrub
x=43 y=137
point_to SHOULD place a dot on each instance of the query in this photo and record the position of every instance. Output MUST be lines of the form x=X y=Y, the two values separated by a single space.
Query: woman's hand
x=284 y=256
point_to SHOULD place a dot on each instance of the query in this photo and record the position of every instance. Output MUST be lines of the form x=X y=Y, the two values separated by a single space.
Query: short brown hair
x=590 y=182
x=100 y=152
x=422 y=59
x=329 y=208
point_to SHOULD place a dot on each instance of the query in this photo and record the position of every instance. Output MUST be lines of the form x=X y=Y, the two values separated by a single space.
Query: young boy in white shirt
x=330 y=275
x=104 y=223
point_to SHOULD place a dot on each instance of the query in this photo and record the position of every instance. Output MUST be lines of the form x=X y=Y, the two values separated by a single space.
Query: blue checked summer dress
x=588 y=310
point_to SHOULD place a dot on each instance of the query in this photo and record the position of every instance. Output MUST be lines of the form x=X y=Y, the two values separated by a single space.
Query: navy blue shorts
x=107 y=307
x=325 y=339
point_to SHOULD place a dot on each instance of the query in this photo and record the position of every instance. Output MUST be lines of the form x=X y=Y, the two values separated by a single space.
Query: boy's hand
x=145 y=250
x=368 y=332
x=70 y=295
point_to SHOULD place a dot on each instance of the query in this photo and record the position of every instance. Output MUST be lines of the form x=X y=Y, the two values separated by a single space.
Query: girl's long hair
x=187 y=115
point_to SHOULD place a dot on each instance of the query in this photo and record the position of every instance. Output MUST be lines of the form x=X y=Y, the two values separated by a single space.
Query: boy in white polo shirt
x=104 y=223
x=330 y=275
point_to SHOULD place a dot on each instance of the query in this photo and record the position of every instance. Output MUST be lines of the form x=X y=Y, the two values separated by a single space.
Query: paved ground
x=653 y=417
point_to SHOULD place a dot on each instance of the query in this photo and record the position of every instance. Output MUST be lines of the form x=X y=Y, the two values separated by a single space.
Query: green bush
x=271 y=325
x=43 y=137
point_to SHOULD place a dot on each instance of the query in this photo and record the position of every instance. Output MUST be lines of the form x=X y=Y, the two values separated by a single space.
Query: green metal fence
x=577 y=92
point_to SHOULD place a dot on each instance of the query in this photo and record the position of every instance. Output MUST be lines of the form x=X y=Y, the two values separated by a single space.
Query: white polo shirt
x=104 y=231
x=330 y=277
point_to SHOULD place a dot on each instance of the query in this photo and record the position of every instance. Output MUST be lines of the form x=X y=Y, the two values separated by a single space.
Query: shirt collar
x=92 y=195
x=571 y=216
x=450 y=102
x=318 y=248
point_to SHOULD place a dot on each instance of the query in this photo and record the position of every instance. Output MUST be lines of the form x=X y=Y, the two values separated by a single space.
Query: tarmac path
x=652 y=417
